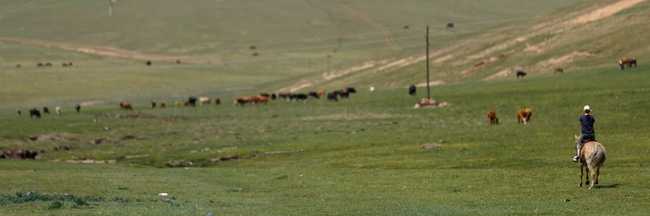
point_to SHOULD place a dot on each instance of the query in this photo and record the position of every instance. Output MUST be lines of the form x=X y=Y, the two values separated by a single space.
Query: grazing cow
x=265 y=94
x=520 y=73
x=153 y=104
x=34 y=113
x=592 y=157
x=274 y=96
x=524 y=115
x=47 y=64
x=252 y=100
x=413 y=90
x=18 y=66
x=629 y=62
x=492 y=118
x=46 y=110
x=314 y=94
x=298 y=97
x=126 y=105
x=40 y=64
x=77 y=107
x=163 y=104
x=217 y=101
x=205 y=100
x=19 y=154
x=57 y=110
x=284 y=95
x=343 y=93
x=332 y=96
x=148 y=63
x=178 y=61
x=191 y=101
x=20 y=112
x=558 y=70
x=451 y=25
x=351 y=90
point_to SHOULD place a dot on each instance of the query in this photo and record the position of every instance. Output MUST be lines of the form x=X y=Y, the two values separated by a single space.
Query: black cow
x=413 y=90
x=34 y=113
x=332 y=96
x=46 y=110
x=191 y=101
x=298 y=97
x=20 y=112
x=521 y=74
x=351 y=90
x=314 y=94
x=217 y=101
x=77 y=107
x=153 y=104
x=148 y=63
x=274 y=96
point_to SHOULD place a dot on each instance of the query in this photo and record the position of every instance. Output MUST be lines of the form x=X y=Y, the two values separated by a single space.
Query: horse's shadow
x=606 y=186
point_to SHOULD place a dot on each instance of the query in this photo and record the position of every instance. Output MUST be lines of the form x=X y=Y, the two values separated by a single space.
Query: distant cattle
x=451 y=25
x=251 y=100
x=191 y=101
x=629 y=62
x=153 y=104
x=264 y=94
x=18 y=154
x=178 y=61
x=47 y=64
x=274 y=96
x=558 y=70
x=520 y=74
x=351 y=90
x=163 y=104
x=298 y=97
x=148 y=63
x=413 y=90
x=217 y=101
x=40 y=64
x=205 y=100
x=492 y=118
x=20 y=112
x=126 y=105
x=77 y=107
x=18 y=66
x=34 y=113
x=46 y=110
x=332 y=96
x=57 y=110
x=66 y=64
x=524 y=115
x=314 y=94
x=284 y=95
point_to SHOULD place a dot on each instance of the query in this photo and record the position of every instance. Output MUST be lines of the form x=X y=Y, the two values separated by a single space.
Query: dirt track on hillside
x=101 y=50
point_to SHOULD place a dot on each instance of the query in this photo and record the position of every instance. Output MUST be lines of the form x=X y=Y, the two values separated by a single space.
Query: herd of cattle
x=523 y=116
x=193 y=101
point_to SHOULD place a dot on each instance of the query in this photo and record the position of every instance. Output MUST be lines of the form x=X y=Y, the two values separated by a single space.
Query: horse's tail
x=598 y=155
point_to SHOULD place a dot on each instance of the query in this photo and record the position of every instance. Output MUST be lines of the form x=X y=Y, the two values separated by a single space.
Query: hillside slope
x=588 y=35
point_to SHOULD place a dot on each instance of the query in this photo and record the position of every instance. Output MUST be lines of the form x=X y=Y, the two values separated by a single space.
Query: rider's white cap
x=587 y=107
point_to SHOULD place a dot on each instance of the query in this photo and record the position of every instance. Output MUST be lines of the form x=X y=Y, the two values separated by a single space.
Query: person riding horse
x=587 y=133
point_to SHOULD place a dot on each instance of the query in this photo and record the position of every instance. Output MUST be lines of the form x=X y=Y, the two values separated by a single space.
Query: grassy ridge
x=358 y=157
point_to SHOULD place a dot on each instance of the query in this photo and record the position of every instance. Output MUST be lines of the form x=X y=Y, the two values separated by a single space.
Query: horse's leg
x=597 y=174
x=582 y=166
x=587 y=176
x=592 y=176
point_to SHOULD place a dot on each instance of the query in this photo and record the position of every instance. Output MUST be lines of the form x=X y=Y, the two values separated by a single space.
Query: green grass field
x=360 y=156
x=357 y=157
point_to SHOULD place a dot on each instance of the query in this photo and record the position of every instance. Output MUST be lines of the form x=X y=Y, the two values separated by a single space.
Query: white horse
x=592 y=157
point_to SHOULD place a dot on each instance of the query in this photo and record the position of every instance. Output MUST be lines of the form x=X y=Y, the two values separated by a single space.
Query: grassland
x=357 y=157
x=361 y=156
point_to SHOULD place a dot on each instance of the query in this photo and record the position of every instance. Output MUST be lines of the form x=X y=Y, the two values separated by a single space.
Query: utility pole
x=110 y=7
x=428 y=76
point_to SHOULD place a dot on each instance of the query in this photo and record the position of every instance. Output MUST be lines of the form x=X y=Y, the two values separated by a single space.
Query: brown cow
x=630 y=62
x=126 y=105
x=492 y=118
x=524 y=115
x=252 y=100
